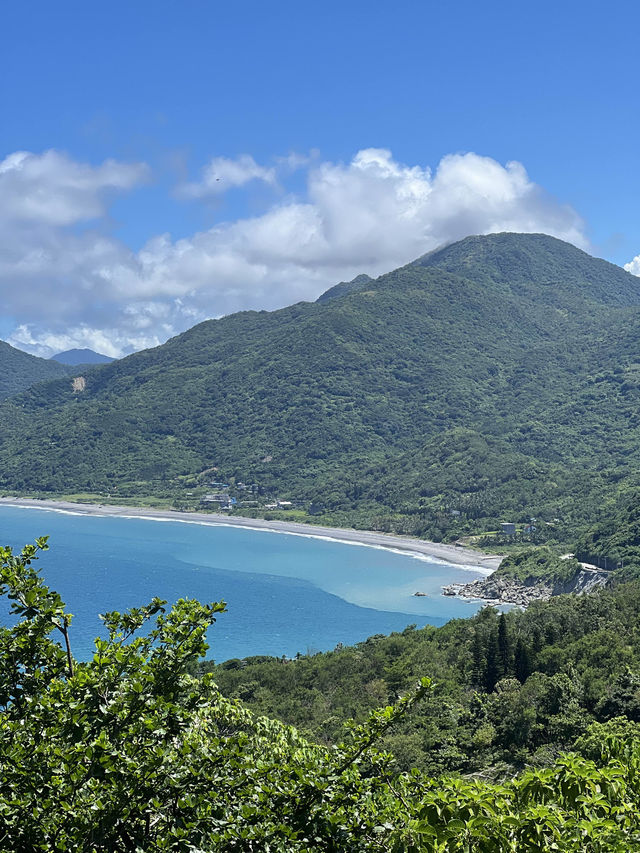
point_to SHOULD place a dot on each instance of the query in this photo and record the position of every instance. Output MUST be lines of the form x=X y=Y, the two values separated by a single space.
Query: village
x=222 y=499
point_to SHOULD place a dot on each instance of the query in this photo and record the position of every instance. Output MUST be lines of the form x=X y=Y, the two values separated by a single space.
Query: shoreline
x=452 y=554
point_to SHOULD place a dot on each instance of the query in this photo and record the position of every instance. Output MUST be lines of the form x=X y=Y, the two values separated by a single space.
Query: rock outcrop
x=502 y=589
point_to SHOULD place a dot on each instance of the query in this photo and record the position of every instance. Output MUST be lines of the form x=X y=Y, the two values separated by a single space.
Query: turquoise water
x=285 y=593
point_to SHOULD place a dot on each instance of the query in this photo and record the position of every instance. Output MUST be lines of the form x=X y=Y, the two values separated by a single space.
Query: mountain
x=76 y=357
x=538 y=266
x=497 y=377
x=19 y=370
x=344 y=287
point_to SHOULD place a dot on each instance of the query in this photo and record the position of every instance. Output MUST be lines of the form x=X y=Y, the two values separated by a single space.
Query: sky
x=162 y=163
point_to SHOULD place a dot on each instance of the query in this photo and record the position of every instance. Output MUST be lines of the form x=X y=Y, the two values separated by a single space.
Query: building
x=223 y=501
x=508 y=528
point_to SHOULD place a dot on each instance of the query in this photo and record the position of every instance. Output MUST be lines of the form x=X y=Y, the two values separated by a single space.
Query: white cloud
x=79 y=337
x=52 y=189
x=222 y=174
x=369 y=215
x=633 y=266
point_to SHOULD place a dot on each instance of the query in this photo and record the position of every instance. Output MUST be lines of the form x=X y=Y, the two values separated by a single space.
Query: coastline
x=454 y=555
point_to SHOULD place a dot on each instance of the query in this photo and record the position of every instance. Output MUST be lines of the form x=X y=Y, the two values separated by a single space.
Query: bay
x=285 y=593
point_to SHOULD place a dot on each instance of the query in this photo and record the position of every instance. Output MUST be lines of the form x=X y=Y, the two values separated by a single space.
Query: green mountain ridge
x=344 y=287
x=20 y=370
x=552 y=267
x=497 y=376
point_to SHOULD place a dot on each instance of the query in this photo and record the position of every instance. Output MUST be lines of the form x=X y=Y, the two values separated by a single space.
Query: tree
x=494 y=670
x=504 y=645
x=479 y=658
x=522 y=661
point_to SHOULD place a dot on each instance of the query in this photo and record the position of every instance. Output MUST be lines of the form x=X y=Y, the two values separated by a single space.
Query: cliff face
x=585 y=581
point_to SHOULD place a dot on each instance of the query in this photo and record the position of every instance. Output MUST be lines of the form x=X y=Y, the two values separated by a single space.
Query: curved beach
x=452 y=554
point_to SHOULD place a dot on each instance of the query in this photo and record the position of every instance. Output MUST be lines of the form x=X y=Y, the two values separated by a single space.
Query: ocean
x=285 y=593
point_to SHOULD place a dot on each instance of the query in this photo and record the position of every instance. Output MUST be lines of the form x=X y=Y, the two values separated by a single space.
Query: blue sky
x=203 y=157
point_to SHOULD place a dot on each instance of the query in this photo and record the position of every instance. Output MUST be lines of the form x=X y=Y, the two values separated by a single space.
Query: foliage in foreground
x=572 y=806
x=128 y=752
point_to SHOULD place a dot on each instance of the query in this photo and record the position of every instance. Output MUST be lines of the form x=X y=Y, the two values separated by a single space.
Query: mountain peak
x=345 y=287
x=81 y=356
x=520 y=260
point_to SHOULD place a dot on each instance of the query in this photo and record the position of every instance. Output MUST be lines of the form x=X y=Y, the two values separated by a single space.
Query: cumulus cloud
x=77 y=337
x=633 y=266
x=52 y=189
x=369 y=215
x=222 y=174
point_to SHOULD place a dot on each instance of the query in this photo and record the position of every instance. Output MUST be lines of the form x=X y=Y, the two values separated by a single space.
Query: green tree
x=522 y=661
x=504 y=646
x=479 y=658
x=494 y=669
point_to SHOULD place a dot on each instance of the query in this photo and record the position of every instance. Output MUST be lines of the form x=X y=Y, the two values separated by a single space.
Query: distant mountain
x=81 y=356
x=344 y=287
x=495 y=379
x=19 y=370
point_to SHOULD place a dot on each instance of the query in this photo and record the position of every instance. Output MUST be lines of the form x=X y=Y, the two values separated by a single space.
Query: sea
x=285 y=593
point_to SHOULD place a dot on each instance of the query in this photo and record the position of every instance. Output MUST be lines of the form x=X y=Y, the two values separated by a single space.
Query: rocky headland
x=502 y=587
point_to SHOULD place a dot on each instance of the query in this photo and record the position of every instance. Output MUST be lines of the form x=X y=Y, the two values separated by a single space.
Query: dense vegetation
x=131 y=752
x=19 y=370
x=497 y=378
x=539 y=565
x=614 y=542
x=509 y=689
x=344 y=287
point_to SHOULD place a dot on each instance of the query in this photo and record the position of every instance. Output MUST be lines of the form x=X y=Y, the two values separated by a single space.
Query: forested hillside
x=498 y=377
x=20 y=370
x=509 y=690
x=614 y=541
x=344 y=287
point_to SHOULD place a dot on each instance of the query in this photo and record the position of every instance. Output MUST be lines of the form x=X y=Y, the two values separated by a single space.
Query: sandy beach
x=447 y=553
